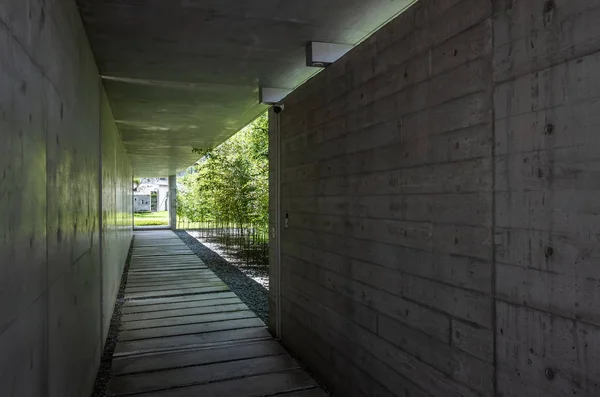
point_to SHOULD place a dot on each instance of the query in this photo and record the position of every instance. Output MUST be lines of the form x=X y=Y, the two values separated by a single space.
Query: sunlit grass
x=160 y=218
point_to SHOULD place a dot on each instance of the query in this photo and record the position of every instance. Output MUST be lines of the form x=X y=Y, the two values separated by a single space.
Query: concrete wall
x=50 y=259
x=547 y=189
x=116 y=210
x=274 y=232
x=442 y=197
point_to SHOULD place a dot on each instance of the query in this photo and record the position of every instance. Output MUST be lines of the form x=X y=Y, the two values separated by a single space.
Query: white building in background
x=160 y=186
x=141 y=202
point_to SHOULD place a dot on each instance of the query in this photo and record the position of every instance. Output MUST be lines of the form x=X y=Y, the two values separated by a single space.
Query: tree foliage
x=230 y=182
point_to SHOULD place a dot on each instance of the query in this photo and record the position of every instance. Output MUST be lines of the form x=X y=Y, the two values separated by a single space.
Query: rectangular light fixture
x=271 y=96
x=324 y=54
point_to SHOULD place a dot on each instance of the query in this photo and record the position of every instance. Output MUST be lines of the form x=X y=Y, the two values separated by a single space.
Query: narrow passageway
x=184 y=333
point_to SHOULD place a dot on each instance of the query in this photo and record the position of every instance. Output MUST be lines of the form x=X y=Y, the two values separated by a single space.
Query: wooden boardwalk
x=184 y=333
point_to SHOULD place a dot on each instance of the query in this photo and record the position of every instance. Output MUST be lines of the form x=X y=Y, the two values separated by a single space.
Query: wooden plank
x=182 y=285
x=191 y=329
x=316 y=392
x=174 y=259
x=158 y=307
x=150 y=263
x=178 y=299
x=178 y=359
x=140 y=237
x=163 y=242
x=157 y=282
x=142 y=271
x=184 y=312
x=149 y=245
x=140 y=278
x=185 y=269
x=190 y=291
x=253 y=386
x=204 y=283
x=169 y=287
x=160 y=270
x=170 y=283
x=165 y=259
x=155 y=263
x=185 y=254
x=172 y=245
x=198 y=274
x=196 y=375
x=164 y=239
x=141 y=275
x=188 y=270
x=189 y=319
x=147 y=269
x=162 y=254
x=183 y=250
x=158 y=241
x=183 y=332
x=164 y=249
x=189 y=341
x=165 y=265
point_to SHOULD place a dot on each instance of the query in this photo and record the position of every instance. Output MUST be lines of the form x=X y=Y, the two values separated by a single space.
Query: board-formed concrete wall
x=116 y=210
x=442 y=198
x=547 y=190
x=51 y=283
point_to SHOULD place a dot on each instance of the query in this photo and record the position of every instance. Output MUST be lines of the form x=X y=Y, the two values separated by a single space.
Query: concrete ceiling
x=186 y=73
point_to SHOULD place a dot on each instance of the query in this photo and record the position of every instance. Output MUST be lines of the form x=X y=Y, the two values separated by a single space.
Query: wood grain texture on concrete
x=439 y=186
x=184 y=333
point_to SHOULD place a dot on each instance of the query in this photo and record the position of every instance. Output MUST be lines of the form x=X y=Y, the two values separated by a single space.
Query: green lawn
x=151 y=218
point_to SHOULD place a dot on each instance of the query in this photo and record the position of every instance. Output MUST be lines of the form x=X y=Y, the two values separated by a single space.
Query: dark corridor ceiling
x=186 y=73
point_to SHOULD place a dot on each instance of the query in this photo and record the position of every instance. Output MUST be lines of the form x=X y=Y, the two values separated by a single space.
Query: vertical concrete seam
x=278 y=233
x=46 y=358
x=493 y=201
x=132 y=205
x=100 y=218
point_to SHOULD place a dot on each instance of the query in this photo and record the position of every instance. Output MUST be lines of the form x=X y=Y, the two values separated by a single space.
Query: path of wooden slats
x=184 y=333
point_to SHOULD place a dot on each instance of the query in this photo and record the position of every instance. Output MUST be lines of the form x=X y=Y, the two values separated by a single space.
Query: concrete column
x=173 y=201
x=274 y=226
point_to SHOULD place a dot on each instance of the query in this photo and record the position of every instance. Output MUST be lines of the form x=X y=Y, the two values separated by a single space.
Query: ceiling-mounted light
x=320 y=55
x=271 y=96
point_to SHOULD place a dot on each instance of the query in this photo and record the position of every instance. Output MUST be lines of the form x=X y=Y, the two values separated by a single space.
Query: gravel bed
x=104 y=371
x=254 y=295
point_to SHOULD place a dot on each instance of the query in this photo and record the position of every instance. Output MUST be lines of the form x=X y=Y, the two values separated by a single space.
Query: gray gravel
x=104 y=371
x=254 y=295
